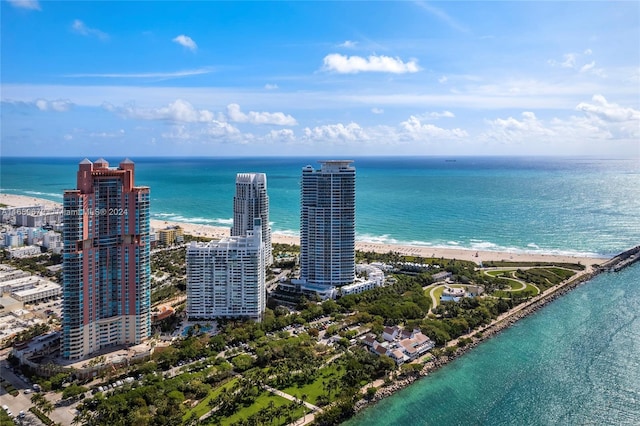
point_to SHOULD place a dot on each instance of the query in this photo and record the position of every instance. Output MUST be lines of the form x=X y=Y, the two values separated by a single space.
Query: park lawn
x=315 y=389
x=506 y=272
x=437 y=293
x=203 y=406
x=262 y=402
x=509 y=294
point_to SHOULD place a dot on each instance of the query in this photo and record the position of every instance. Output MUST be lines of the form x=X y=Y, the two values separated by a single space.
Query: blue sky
x=155 y=78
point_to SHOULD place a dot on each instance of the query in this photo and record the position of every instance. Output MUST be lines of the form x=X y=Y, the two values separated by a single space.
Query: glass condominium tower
x=252 y=202
x=327 y=225
x=106 y=260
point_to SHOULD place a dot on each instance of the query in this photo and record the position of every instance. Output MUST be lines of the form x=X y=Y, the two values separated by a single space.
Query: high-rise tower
x=226 y=278
x=327 y=225
x=250 y=202
x=106 y=260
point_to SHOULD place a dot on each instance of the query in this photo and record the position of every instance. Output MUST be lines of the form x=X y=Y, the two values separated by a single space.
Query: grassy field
x=506 y=272
x=203 y=406
x=315 y=389
x=261 y=402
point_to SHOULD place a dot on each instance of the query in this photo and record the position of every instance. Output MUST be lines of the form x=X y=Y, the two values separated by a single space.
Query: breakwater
x=621 y=261
x=615 y=264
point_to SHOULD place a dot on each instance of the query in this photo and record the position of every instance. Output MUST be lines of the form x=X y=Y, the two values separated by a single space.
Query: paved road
x=18 y=403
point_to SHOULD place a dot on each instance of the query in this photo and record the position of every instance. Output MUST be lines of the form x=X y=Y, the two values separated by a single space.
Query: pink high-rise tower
x=106 y=260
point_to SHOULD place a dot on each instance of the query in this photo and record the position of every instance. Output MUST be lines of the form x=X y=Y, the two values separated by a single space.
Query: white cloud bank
x=343 y=64
x=278 y=118
x=335 y=132
x=416 y=130
x=178 y=111
x=608 y=111
x=181 y=111
x=186 y=41
x=58 y=105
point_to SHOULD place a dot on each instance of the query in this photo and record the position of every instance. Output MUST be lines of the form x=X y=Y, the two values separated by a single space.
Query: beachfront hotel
x=250 y=202
x=327 y=226
x=106 y=260
x=226 y=279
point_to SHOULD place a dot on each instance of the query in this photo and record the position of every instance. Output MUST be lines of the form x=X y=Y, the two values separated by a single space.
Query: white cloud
x=514 y=130
x=335 y=132
x=235 y=114
x=377 y=110
x=271 y=86
x=414 y=129
x=186 y=41
x=436 y=115
x=26 y=4
x=608 y=111
x=172 y=74
x=348 y=44
x=58 y=105
x=354 y=64
x=179 y=111
x=577 y=61
x=282 y=135
x=79 y=27
x=443 y=79
x=587 y=67
x=212 y=130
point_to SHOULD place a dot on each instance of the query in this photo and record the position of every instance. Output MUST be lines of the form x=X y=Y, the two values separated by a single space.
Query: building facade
x=106 y=260
x=226 y=279
x=250 y=202
x=327 y=225
x=170 y=235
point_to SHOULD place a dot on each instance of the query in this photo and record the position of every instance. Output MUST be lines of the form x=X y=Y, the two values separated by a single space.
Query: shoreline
x=594 y=266
x=218 y=232
x=491 y=330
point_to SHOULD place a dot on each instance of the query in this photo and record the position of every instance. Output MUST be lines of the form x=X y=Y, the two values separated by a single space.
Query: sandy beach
x=217 y=232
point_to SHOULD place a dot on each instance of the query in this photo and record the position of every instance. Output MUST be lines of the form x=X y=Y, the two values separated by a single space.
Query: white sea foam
x=475 y=245
x=198 y=220
x=38 y=193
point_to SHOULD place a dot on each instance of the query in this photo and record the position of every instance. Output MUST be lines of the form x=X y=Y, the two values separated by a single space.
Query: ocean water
x=545 y=205
x=574 y=362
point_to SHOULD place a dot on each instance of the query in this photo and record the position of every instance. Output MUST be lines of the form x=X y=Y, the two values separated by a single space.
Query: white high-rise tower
x=327 y=225
x=252 y=202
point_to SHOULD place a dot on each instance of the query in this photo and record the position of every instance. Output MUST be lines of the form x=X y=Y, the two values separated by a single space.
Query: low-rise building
x=401 y=345
x=21 y=252
x=369 y=277
x=170 y=235
x=441 y=276
x=38 y=219
x=452 y=294
x=44 y=291
x=8 y=273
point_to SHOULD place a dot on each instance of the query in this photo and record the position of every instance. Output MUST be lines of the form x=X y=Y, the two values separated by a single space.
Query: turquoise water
x=575 y=362
x=567 y=205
